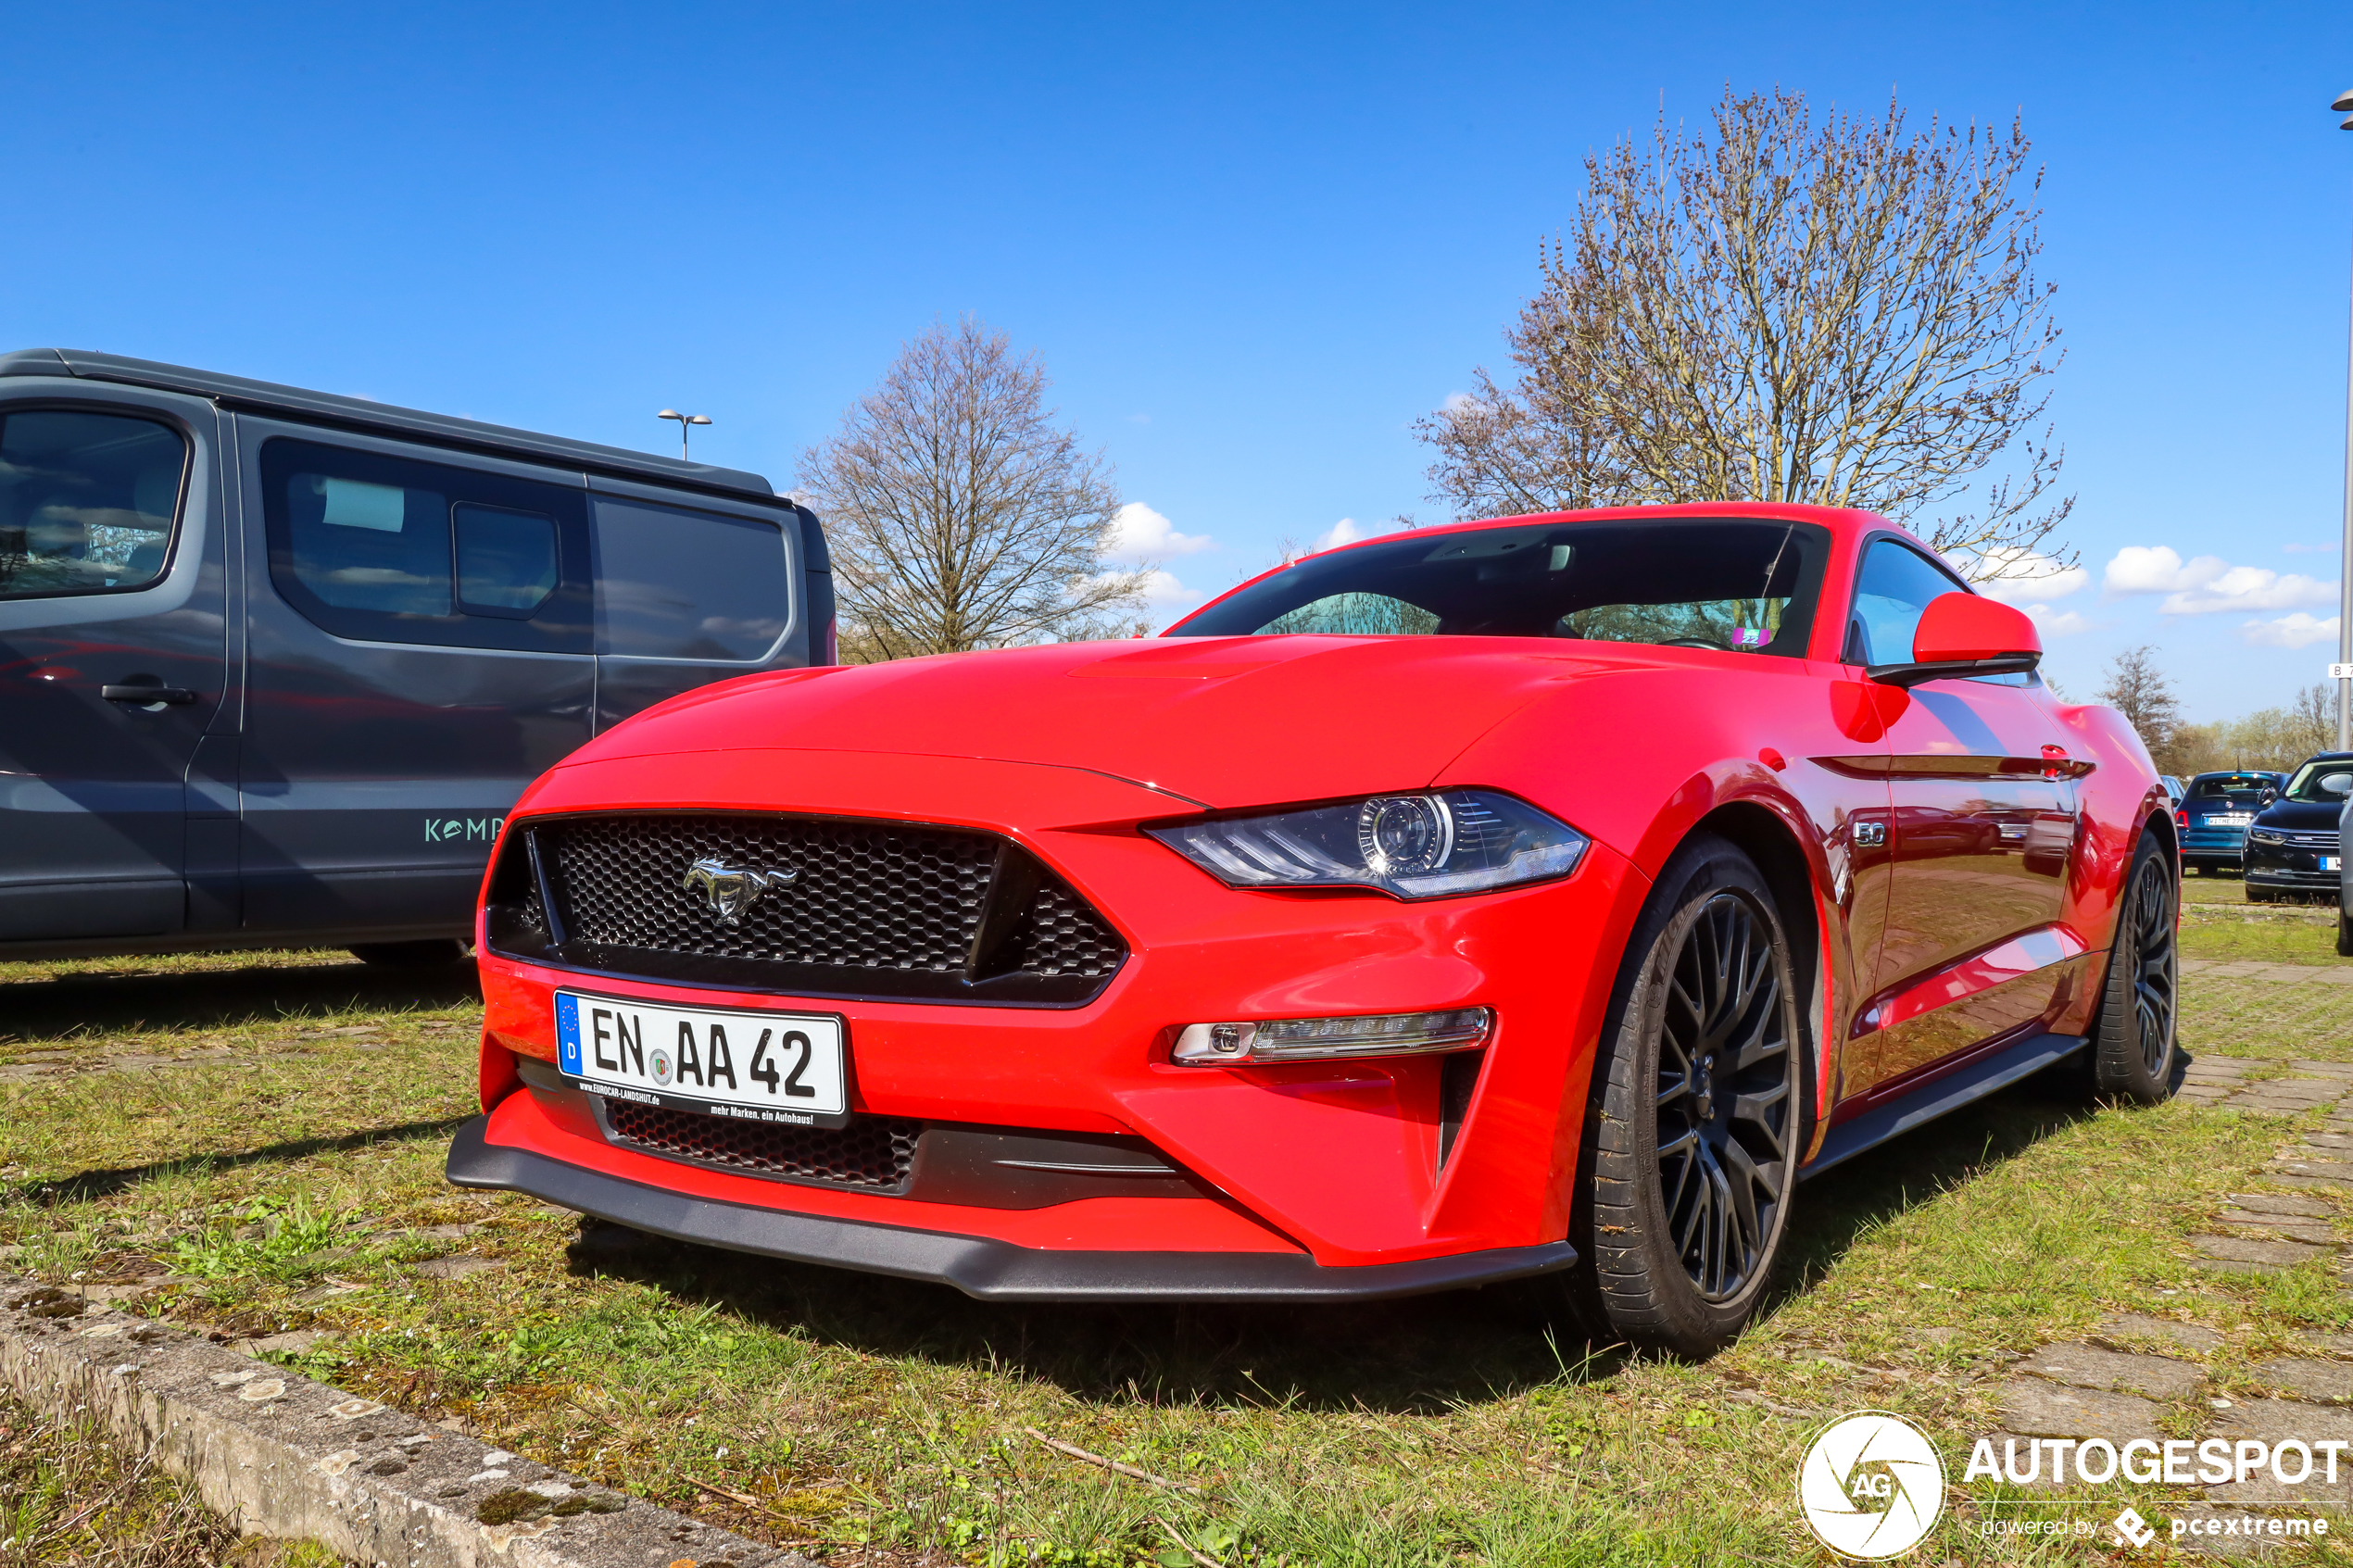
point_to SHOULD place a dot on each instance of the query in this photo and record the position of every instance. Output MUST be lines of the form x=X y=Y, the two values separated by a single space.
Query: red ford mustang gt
x=1539 y=895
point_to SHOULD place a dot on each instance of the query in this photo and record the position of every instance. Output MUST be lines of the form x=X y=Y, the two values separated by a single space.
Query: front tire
x=2133 y=1042
x=1698 y=1112
x=2344 y=933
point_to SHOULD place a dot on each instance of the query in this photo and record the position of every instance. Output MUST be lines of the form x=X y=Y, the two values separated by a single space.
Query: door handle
x=147 y=696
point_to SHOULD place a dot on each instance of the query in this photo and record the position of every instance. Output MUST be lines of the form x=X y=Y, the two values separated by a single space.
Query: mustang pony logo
x=731 y=891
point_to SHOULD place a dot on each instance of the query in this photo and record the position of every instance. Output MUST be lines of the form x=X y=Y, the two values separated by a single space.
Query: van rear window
x=678 y=585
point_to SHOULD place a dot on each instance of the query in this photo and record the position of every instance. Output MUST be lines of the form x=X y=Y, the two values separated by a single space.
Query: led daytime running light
x=1319 y=1039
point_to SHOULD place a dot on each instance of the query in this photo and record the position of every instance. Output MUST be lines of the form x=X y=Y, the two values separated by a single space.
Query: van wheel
x=2133 y=1043
x=1698 y=1113
x=430 y=953
x=2345 y=932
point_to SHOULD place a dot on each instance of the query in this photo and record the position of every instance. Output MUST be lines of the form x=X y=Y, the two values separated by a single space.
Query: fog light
x=1316 y=1039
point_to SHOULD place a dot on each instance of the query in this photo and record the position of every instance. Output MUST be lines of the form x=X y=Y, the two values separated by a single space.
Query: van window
x=381 y=547
x=387 y=549
x=678 y=585
x=506 y=560
x=87 y=501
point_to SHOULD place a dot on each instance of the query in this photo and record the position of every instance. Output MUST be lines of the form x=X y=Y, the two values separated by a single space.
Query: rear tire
x=2135 y=1041
x=430 y=953
x=1697 y=1116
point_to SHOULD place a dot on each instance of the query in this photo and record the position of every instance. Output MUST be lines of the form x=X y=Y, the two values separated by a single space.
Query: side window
x=87 y=501
x=1895 y=586
x=678 y=585
x=506 y=560
x=378 y=548
x=386 y=549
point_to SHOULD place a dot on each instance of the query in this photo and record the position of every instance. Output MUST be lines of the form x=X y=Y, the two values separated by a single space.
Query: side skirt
x=1933 y=1099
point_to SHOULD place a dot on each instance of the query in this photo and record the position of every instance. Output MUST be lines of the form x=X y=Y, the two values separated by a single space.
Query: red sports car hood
x=1226 y=721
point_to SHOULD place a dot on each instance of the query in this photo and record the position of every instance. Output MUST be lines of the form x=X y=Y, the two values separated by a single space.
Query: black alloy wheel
x=2134 y=1041
x=1697 y=1119
x=1725 y=1078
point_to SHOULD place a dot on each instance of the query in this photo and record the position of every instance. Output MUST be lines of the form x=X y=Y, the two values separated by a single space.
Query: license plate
x=790 y=1067
x=2236 y=819
x=2332 y=863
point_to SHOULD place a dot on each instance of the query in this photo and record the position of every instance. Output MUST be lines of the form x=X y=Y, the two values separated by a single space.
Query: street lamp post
x=684 y=421
x=2345 y=555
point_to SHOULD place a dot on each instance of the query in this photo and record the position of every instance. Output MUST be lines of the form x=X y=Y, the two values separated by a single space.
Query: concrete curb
x=280 y=1455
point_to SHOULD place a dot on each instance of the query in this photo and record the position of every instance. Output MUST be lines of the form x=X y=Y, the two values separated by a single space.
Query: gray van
x=275 y=663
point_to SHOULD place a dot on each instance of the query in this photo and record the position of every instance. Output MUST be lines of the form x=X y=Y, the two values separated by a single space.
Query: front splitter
x=990 y=1271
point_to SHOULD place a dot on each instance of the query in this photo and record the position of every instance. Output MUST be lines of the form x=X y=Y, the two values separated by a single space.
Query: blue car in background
x=2214 y=813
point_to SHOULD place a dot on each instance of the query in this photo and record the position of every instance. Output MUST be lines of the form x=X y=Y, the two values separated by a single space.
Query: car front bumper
x=2290 y=866
x=1306 y=1180
x=979 y=1266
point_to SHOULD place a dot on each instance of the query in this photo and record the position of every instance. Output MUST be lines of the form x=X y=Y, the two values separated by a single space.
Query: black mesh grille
x=862 y=907
x=867 y=894
x=873 y=1152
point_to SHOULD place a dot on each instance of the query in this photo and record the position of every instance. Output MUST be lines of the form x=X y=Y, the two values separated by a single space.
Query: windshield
x=2308 y=786
x=1746 y=586
x=2239 y=789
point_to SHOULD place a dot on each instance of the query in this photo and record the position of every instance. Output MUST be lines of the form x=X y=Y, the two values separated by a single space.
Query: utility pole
x=2345 y=555
x=686 y=420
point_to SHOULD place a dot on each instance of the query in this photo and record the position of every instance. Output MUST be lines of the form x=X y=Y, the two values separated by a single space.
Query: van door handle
x=167 y=697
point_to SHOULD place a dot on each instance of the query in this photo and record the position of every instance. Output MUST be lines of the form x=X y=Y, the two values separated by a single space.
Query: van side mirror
x=1962 y=634
x=2337 y=783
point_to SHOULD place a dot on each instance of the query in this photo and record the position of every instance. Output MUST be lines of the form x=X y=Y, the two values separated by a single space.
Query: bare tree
x=1845 y=315
x=2138 y=689
x=960 y=516
x=2312 y=714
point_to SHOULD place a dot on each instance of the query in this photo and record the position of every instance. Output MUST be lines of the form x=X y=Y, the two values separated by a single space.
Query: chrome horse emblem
x=731 y=891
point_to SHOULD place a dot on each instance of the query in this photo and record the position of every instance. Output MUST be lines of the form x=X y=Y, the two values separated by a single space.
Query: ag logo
x=1872 y=1486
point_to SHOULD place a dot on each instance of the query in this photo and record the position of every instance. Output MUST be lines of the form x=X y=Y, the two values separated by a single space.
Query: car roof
x=359 y=413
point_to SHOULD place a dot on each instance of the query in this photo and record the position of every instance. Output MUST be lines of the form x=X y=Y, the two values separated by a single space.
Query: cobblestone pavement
x=2118 y=1383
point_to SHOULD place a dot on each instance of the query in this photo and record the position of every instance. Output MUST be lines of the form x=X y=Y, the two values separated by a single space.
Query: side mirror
x=2337 y=783
x=1962 y=634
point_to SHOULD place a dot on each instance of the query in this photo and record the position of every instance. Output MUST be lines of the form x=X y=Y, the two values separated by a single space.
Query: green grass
x=69 y=1499
x=888 y=1422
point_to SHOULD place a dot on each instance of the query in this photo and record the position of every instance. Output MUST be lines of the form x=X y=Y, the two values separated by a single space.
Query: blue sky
x=1252 y=242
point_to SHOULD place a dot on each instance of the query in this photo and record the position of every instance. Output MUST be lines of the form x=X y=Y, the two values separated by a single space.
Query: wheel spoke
x=1722 y=1183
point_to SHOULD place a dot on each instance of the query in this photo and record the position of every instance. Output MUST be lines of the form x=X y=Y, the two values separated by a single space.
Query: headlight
x=1410 y=845
x=2265 y=835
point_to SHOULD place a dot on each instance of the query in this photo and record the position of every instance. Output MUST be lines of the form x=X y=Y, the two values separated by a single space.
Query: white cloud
x=2311 y=549
x=2208 y=584
x=2056 y=622
x=1162 y=591
x=1140 y=533
x=2021 y=577
x=1344 y=532
x=1348 y=530
x=1458 y=401
x=2295 y=631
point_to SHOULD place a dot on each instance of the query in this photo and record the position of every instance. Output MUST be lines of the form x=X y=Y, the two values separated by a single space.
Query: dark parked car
x=2295 y=843
x=274 y=664
x=2214 y=813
